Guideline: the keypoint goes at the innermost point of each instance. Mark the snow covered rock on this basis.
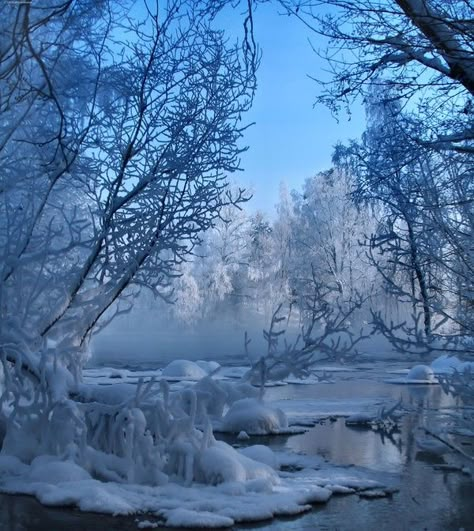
(254, 417)
(184, 369)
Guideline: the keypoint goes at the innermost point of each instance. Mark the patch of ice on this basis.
(108, 394)
(307, 411)
(431, 446)
(146, 524)
(196, 519)
(111, 375)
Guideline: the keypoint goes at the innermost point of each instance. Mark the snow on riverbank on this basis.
(63, 483)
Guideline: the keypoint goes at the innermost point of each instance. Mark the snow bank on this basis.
(254, 417)
(221, 505)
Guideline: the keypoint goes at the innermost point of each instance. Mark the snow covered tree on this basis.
(421, 206)
(143, 152)
(328, 228)
(417, 58)
(422, 49)
(119, 125)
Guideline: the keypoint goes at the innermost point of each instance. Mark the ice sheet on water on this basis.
(196, 519)
(306, 411)
(177, 370)
(110, 375)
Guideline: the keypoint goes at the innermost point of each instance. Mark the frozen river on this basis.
(433, 493)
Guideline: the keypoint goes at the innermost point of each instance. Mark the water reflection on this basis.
(345, 446)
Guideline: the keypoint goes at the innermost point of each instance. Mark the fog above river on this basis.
(151, 336)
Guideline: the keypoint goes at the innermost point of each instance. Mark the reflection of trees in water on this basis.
(425, 405)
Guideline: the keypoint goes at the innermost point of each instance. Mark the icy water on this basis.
(429, 498)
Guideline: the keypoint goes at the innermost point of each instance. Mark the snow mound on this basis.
(196, 519)
(184, 369)
(220, 463)
(254, 417)
(262, 454)
(49, 469)
(208, 366)
(421, 373)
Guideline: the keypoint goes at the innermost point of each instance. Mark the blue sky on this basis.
(292, 139)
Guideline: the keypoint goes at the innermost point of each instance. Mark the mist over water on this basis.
(148, 337)
(152, 336)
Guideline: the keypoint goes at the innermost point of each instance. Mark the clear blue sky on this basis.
(292, 139)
